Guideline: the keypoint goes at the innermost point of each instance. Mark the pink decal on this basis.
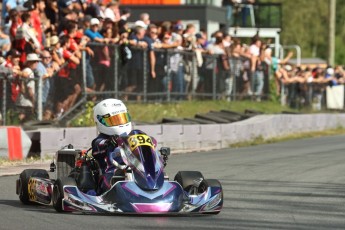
(68, 208)
(145, 208)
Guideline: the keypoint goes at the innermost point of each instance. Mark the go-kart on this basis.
(143, 187)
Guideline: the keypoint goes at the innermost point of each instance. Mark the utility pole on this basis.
(331, 32)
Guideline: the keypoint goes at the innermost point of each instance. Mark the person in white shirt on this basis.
(26, 99)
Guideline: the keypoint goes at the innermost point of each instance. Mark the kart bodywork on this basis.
(143, 188)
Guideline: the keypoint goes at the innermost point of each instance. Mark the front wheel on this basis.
(187, 179)
(58, 193)
(204, 185)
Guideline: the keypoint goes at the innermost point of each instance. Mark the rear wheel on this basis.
(187, 178)
(24, 178)
(58, 193)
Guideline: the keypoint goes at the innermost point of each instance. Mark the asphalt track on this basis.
(290, 185)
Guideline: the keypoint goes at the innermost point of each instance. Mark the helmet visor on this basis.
(115, 120)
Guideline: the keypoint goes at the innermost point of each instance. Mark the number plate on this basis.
(139, 140)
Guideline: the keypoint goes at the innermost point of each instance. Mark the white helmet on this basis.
(112, 118)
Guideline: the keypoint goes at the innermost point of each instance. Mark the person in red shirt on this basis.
(67, 89)
(39, 6)
(16, 22)
(12, 61)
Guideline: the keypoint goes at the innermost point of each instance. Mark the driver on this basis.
(112, 119)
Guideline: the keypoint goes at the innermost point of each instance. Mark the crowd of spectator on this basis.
(45, 39)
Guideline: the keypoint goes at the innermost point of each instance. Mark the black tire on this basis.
(211, 117)
(210, 183)
(186, 178)
(24, 178)
(58, 193)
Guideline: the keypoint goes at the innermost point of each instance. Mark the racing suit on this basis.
(104, 151)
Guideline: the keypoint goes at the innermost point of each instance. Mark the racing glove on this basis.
(113, 140)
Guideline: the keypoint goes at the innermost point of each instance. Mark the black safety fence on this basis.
(126, 73)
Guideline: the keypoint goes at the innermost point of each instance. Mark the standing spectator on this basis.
(26, 40)
(72, 32)
(229, 4)
(135, 74)
(12, 62)
(199, 52)
(215, 61)
(38, 8)
(166, 81)
(81, 42)
(189, 37)
(176, 68)
(93, 9)
(16, 22)
(27, 98)
(154, 84)
(45, 70)
(246, 72)
(245, 10)
(102, 53)
(125, 14)
(112, 11)
(257, 78)
(66, 88)
(68, 17)
(125, 56)
(52, 12)
(235, 70)
(48, 29)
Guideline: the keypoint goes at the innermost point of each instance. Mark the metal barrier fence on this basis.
(179, 76)
(120, 72)
(311, 95)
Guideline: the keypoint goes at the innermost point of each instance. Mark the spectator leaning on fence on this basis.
(26, 99)
(45, 70)
(280, 74)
